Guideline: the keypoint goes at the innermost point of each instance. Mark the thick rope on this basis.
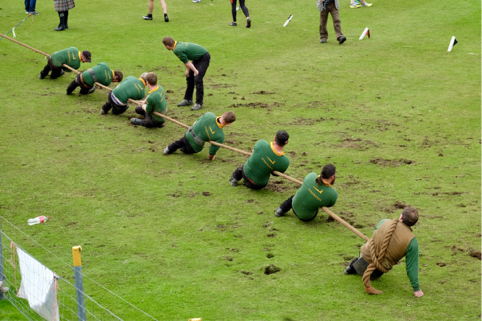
(375, 265)
(334, 216)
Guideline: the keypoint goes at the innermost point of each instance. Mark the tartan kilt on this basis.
(63, 5)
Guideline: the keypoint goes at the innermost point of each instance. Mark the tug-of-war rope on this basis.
(333, 215)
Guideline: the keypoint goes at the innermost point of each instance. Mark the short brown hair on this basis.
(151, 78)
(409, 216)
(282, 137)
(119, 75)
(229, 117)
(168, 41)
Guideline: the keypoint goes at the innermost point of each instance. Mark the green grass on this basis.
(397, 114)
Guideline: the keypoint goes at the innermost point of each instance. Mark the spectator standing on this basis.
(331, 7)
(151, 9)
(245, 11)
(63, 7)
(30, 7)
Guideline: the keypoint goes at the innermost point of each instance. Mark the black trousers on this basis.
(201, 65)
(110, 104)
(288, 205)
(56, 71)
(243, 7)
(149, 121)
(84, 88)
(239, 173)
(182, 144)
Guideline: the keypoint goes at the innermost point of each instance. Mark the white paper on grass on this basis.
(38, 286)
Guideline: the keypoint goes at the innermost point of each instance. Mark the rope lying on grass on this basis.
(333, 215)
(13, 29)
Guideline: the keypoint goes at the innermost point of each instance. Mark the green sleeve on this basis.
(378, 225)
(412, 264)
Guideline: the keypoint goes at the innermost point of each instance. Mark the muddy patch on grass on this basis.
(475, 254)
(307, 121)
(391, 163)
(400, 205)
(356, 143)
(263, 92)
(270, 269)
(277, 186)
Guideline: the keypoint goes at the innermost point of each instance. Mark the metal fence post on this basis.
(79, 282)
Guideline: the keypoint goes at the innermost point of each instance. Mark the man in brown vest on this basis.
(391, 241)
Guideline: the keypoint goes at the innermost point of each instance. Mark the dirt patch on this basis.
(246, 272)
(206, 194)
(357, 143)
(475, 254)
(228, 258)
(277, 186)
(262, 92)
(399, 204)
(269, 255)
(270, 269)
(441, 264)
(271, 235)
(391, 163)
(306, 121)
(255, 105)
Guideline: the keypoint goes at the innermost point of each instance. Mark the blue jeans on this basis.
(30, 5)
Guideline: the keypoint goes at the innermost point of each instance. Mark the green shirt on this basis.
(131, 87)
(207, 127)
(311, 196)
(264, 160)
(411, 261)
(186, 51)
(156, 101)
(103, 73)
(69, 56)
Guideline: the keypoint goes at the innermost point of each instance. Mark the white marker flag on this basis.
(288, 21)
(453, 42)
(365, 32)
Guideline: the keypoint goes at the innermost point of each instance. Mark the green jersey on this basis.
(186, 51)
(156, 101)
(70, 57)
(311, 196)
(102, 72)
(131, 87)
(264, 160)
(207, 128)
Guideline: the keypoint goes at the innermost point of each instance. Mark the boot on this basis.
(66, 26)
(61, 26)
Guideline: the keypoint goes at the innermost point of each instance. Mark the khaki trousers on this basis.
(335, 15)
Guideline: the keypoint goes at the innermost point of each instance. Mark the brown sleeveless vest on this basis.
(397, 248)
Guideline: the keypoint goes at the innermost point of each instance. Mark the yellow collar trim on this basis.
(274, 150)
(142, 81)
(321, 179)
(157, 87)
(218, 122)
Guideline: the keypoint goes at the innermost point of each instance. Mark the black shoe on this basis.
(248, 23)
(40, 76)
(279, 212)
(233, 24)
(136, 121)
(341, 39)
(148, 17)
(166, 18)
(323, 41)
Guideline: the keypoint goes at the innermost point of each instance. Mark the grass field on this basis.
(397, 114)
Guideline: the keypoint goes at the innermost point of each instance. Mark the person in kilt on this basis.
(63, 7)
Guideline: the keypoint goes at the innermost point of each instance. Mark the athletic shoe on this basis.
(196, 107)
(148, 17)
(91, 90)
(136, 121)
(355, 5)
(102, 112)
(35, 13)
(166, 151)
(196, 1)
(233, 181)
(279, 212)
(40, 76)
(248, 23)
(341, 39)
(233, 24)
(366, 4)
(185, 102)
(323, 41)
(166, 18)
